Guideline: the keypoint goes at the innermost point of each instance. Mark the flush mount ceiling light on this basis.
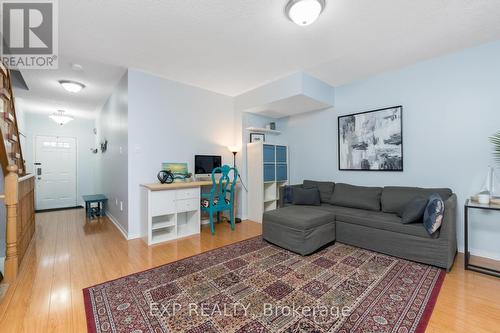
(60, 118)
(304, 12)
(72, 86)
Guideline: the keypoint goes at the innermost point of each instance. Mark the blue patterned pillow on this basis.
(434, 214)
(287, 194)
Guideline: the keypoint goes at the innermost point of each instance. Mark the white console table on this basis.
(171, 211)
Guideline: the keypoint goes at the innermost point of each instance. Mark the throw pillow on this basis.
(325, 188)
(413, 211)
(287, 194)
(306, 196)
(434, 213)
(360, 197)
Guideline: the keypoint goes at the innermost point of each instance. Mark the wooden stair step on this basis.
(5, 93)
(15, 155)
(12, 138)
(7, 116)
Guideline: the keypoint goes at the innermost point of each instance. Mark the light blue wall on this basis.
(451, 107)
(172, 122)
(112, 178)
(80, 129)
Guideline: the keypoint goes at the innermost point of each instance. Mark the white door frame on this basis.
(77, 200)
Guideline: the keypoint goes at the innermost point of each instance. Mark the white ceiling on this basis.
(232, 46)
(47, 96)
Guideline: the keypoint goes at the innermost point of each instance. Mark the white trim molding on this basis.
(125, 234)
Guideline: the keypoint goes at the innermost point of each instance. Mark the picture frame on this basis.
(257, 137)
(371, 140)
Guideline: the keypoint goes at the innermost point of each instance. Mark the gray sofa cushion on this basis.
(413, 211)
(306, 196)
(377, 220)
(361, 197)
(299, 217)
(395, 198)
(325, 188)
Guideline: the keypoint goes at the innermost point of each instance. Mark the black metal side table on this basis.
(473, 205)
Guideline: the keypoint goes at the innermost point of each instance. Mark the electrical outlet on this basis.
(121, 150)
(121, 206)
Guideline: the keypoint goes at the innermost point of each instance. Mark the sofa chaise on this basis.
(365, 217)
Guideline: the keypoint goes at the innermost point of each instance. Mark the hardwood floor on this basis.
(67, 254)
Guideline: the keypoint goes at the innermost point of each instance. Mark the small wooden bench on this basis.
(96, 211)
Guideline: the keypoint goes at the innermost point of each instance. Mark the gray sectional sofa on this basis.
(365, 217)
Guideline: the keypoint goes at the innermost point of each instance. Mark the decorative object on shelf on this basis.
(104, 146)
(491, 184)
(495, 201)
(257, 137)
(483, 199)
(179, 171)
(371, 141)
(272, 125)
(165, 177)
(60, 117)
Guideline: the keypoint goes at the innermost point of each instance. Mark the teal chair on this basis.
(221, 195)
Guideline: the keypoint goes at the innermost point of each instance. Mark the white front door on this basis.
(55, 171)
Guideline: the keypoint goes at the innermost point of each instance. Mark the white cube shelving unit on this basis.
(267, 166)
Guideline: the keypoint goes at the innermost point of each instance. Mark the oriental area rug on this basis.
(254, 286)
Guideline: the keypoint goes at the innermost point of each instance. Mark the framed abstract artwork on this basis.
(371, 141)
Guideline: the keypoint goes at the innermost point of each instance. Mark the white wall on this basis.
(172, 122)
(451, 107)
(112, 176)
(81, 129)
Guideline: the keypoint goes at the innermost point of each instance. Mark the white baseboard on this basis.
(117, 224)
(125, 234)
(485, 254)
(133, 236)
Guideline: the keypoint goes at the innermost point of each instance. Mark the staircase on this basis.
(10, 146)
(19, 187)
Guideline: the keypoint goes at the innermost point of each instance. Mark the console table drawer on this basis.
(187, 205)
(189, 193)
(162, 203)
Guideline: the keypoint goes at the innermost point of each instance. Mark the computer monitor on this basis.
(205, 164)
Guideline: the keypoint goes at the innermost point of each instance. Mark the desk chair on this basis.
(221, 195)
